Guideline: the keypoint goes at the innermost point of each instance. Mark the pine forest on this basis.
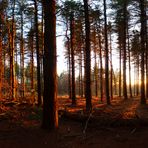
(74, 73)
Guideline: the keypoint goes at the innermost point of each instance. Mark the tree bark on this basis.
(72, 59)
(12, 64)
(111, 65)
(22, 57)
(1, 56)
(129, 61)
(106, 56)
(124, 49)
(120, 51)
(137, 76)
(143, 27)
(37, 54)
(95, 63)
(50, 102)
(87, 58)
(101, 64)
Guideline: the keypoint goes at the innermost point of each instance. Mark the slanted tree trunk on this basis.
(50, 108)
(87, 58)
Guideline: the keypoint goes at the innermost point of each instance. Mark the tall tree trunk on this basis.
(120, 51)
(31, 40)
(81, 76)
(115, 83)
(111, 65)
(50, 102)
(69, 70)
(101, 65)
(87, 59)
(143, 27)
(82, 61)
(146, 38)
(124, 49)
(106, 56)
(69, 61)
(37, 54)
(137, 77)
(1, 56)
(79, 80)
(32, 62)
(129, 63)
(22, 57)
(12, 62)
(146, 73)
(96, 75)
(42, 53)
(135, 83)
(95, 64)
(111, 75)
(72, 59)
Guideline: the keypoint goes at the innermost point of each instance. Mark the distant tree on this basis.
(135, 50)
(62, 84)
(129, 61)
(68, 12)
(21, 12)
(111, 65)
(121, 20)
(31, 50)
(37, 52)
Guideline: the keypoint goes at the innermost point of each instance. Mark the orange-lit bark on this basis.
(50, 110)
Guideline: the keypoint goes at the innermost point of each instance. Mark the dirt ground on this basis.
(103, 128)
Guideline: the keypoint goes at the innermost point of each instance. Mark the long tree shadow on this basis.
(121, 112)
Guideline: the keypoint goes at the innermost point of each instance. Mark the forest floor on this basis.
(124, 124)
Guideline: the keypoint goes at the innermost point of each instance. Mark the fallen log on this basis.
(97, 121)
